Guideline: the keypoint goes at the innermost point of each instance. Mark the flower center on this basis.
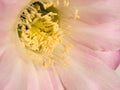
(39, 31)
(38, 27)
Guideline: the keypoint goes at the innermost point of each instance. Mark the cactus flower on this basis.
(59, 44)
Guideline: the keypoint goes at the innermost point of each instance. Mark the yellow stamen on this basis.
(66, 3)
(67, 48)
(57, 3)
(76, 14)
(47, 4)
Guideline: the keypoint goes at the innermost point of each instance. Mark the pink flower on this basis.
(91, 44)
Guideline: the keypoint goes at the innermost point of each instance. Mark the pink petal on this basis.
(15, 74)
(9, 2)
(84, 2)
(9, 13)
(112, 59)
(32, 78)
(42, 79)
(98, 26)
(57, 84)
(97, 11)
(47, 81)
(1, 5)
(103, 37)
(8, 73)
(87, 73)
(16, 79)
(13, 71)
(4, 39)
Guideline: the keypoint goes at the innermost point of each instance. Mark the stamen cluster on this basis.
(38, 28)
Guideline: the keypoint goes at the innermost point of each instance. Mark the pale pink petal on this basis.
(16, 74)
(84, 3)
(32, 78)
(16, 79)
(10, 70)
(55, 80)
(97, 11)
(87, 73)
(1, 5)
(7, 2)
(42, 79)
(98, 25)
(4, 39)
(105, 37)
(112, 59)
(47, 81)
(9, 13)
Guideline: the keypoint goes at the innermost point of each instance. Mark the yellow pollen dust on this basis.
(39, 31)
